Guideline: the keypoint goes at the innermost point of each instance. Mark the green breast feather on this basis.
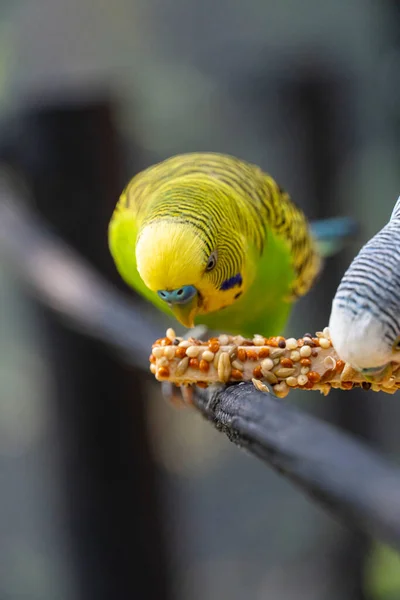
(263, 308)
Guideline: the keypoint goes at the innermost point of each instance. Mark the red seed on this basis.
(166, 342)
(202, 384)
(309, 385)
(152, 358)
(252, 355)
(257, 373)
(194, 363)
(236, 374)
(213, 346)
(286, 362)
(347, 385)
(242, 355)
(163, 372)
(180, 352)
(313, 376)
(305, 362)
(204, 365)
(340, 366)
(263, 353)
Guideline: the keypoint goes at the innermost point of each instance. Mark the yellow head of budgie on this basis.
(192, 263)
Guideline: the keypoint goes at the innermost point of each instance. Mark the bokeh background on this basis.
(106, 491)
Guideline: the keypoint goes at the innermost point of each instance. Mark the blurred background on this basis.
(106, 491)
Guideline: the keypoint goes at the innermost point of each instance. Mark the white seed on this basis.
(276, 361)
(291, 343)
(304, 370)
(153, 369)
(295, 356)
(158, 352)
(302, 379)
(207, 355)
(266, 365)
(258, 340)
(319, 334)
(216, 359)
(171, 335)
(182, 366)
(237, 364)
(184, 344)
(169, 352)
(329, 363)
(238, 340)
(193, 351)
(284, 372)
(281, 389)
(307, 340)
(223, 339)
(327, 333)
(162, 362)
(324, 343)
(224, 367)
(305, 351)
(291, 381)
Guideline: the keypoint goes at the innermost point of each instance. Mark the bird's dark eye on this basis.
(396, 345)
(212, 261)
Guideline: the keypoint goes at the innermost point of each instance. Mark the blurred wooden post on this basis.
(322, 103)
(70, 155)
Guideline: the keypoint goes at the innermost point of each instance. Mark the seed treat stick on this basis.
(309, 363)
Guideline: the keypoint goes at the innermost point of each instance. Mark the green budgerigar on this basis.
(217, 241)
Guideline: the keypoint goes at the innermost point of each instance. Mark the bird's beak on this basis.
(185, 313)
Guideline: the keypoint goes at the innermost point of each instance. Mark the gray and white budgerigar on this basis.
(365, 318)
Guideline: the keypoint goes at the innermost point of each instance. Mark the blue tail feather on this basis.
(332, 234)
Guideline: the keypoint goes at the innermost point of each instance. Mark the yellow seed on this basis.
(281, 389)
(236, 364)
(291, 343)
(153, 369)
(261, 387)
(304, 370)
(324, 343)
(184, 344)
(162, 362)
(266, 365)
(170, 334)
(291, 381)
(182, 366)
(208, 355)
(193, 351)
(329, 363)
(285, 372)
(295, 356)
(305, 351)
(158, 352)
(169, 352)
(224, 367)
(302, 380)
